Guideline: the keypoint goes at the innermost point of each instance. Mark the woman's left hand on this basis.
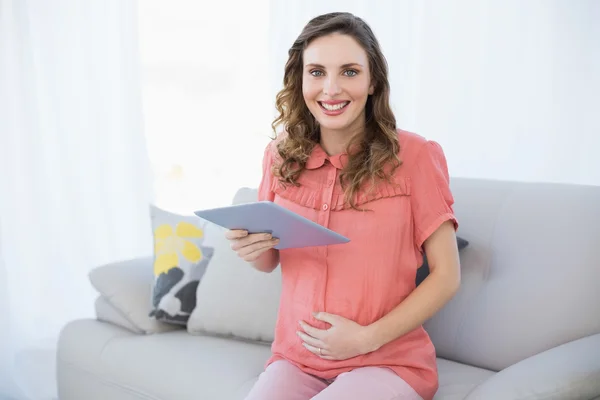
(344, 339)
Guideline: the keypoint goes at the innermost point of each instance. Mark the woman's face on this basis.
(336, 82)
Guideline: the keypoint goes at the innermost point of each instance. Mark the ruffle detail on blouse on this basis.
(315, 198)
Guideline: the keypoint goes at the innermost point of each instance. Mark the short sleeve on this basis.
(265, 188)
(431, 198)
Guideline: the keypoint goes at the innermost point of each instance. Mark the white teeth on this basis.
(335, 107)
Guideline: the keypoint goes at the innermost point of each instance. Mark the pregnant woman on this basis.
(350, 318)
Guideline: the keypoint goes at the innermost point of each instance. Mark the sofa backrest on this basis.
(530, 275)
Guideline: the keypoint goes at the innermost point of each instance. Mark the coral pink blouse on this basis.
(364, 279)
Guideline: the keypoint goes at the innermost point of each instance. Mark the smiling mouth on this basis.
(333, 107)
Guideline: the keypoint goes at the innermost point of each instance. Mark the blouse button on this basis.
(325, 207)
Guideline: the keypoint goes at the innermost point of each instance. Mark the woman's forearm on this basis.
(267, 261)
(424, 302)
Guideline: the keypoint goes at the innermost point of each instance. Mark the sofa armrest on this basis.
(568, 371)
(105, 312)
(127, 287)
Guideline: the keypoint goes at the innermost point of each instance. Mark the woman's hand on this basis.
(344, 339)
(250, 246)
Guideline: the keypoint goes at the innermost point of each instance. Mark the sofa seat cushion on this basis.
(458, 380)
(177, 365)
(173, 365)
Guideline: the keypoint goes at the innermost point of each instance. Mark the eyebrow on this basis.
(343, 66)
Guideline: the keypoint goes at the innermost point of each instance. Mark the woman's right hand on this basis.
(250, 246)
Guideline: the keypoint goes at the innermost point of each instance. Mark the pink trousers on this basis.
(284, 381)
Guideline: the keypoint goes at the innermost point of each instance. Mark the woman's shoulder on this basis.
(271, 152)
(276, 140)
(415, 148)
(410, 143)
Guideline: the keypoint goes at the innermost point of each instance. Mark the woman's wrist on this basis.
(373, 340)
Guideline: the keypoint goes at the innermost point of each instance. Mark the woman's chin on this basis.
(328, 124)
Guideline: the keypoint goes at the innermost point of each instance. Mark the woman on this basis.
(350, 318)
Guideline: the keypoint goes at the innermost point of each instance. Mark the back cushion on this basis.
(530, 275)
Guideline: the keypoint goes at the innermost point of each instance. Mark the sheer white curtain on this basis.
(74, 175)
(511, 89)
(206, 95)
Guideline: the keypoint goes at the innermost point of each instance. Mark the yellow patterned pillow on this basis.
(180, 261)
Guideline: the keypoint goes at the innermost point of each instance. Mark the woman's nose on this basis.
(331, 87)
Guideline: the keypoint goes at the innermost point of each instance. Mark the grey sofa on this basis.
(524, 325)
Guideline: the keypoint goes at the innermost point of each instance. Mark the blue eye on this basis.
(351, 72)
(316, 72)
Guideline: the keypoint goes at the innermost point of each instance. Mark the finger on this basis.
(331, 319)
(250, 239)
(255, 254)
(311, 340)
(236, 234)
(312, 331)
(315, 350)
(324, 354)
(254, 250)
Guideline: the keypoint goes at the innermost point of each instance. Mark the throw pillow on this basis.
(180, 260)
(423, 270)
(127, 285)
(234, 299)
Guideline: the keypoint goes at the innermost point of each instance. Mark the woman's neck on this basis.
(336, 142)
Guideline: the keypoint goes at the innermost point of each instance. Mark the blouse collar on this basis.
(318, 157)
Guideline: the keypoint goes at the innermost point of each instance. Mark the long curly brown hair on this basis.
(374, 151)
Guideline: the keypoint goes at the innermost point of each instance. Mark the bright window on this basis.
(207, 98)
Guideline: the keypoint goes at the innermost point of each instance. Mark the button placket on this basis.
(324, 214)
(327, 197)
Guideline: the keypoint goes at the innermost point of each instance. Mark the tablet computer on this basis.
(293, 230)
